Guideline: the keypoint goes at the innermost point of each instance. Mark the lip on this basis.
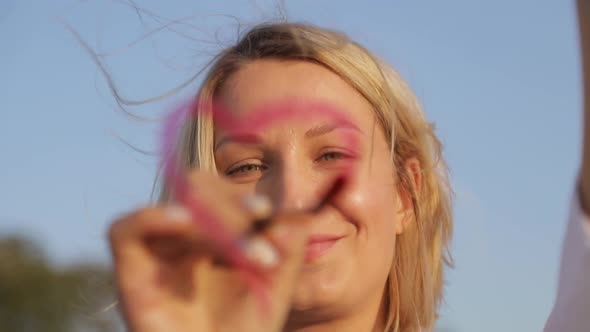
(319, 245)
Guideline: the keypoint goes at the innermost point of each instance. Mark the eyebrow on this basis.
(326, 128)
(246, 138)
(316, 131)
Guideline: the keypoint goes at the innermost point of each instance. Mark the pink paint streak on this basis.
(175, 176)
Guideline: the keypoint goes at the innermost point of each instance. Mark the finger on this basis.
(289, 236)
(258, 207)
(131, 230)
(135, 263)
(130, 236)
(238, 211)
(331, 193)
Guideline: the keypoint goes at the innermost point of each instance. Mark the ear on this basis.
(413, 172)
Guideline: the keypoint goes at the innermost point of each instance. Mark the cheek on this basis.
(373, 199)
(371, 202)
(371, 206)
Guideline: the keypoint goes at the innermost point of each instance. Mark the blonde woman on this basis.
(371, 259)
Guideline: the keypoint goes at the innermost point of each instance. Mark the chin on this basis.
(318, 300)
(322, 288)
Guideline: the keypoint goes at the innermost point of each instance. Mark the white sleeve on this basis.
(571, 312)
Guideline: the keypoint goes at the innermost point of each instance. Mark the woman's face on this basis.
(351, 247)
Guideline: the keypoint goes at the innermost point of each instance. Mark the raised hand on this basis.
(172, 278)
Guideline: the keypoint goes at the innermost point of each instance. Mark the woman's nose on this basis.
(296, 190)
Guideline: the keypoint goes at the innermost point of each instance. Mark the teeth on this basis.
(262, 252)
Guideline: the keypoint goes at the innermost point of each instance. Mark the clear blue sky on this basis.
(499, 78)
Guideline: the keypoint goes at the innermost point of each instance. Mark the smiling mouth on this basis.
(319, 245)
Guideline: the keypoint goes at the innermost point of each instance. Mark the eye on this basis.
(245, 169)
(332, 155)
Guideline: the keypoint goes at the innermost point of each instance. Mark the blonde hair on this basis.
(415, 283)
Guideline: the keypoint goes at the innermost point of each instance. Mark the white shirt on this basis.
(571, 312)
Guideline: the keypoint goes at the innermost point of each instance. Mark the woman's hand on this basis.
(170, 277)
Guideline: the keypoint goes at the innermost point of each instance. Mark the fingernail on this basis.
(259, 205)
(262, 252)
(178, 213)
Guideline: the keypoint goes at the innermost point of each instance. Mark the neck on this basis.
(369, 317)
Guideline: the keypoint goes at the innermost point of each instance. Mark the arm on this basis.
(584, 20)
(572, 305)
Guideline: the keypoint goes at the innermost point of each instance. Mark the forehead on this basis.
(265, 82)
